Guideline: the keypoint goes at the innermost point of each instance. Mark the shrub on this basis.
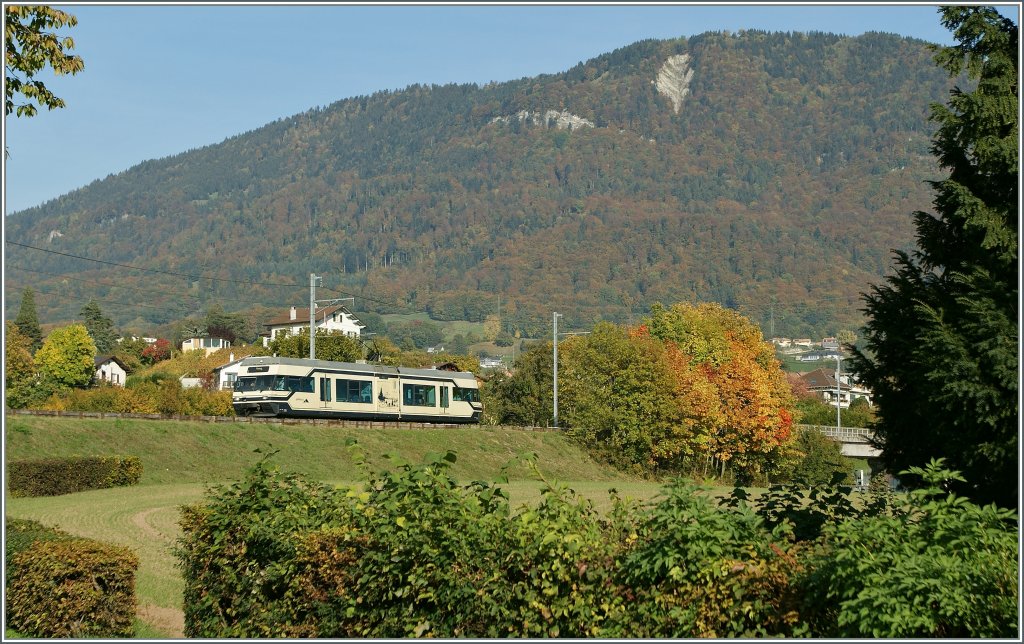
(54, 476)
(821, 458)
(72, 588)
(237, 555)
(22, 533)
(699, 571)
(944, 568)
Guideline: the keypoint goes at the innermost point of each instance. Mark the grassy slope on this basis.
(187, 452)
(181, 458)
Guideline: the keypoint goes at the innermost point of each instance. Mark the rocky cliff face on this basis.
(551, 118)
(674, 79)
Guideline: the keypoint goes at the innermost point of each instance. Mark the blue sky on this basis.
(160, 80)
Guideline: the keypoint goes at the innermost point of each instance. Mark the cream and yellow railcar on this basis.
(295, 387)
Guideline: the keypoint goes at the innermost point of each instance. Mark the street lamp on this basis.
(555, 334)
(839, 389)
(554, 324)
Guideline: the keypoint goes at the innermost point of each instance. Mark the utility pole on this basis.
(839, 388)
(312, 315)
(555, 334)
(554, 320)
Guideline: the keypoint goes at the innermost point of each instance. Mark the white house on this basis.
(226, 374)
(823, 383)
(110, 369)
(208, 345)
(328, 318)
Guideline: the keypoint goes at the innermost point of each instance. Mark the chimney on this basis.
(292, 314)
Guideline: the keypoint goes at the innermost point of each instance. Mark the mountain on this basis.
(772, 172)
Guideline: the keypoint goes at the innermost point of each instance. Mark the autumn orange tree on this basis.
(751, 426)
(693, 386)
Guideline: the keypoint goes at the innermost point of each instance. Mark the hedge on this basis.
(62, 586)
(414, 553)
(55, 476)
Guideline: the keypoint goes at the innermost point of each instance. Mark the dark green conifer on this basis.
(942, 337)
(100, 328)
(28, 321)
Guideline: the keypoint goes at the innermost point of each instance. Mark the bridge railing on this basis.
(844, 434)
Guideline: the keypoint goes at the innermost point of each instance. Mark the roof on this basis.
(821, 379)
(102, 360)
(285, 319)
(380, 370)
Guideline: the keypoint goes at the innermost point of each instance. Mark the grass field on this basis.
(181, 459)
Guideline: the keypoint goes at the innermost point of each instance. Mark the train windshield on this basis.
(466, 395)
(274, 383)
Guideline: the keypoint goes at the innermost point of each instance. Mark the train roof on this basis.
(353, 366)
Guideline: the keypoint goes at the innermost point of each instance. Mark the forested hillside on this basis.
(771, 172)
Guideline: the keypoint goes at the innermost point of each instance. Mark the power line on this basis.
(198, 277)
(117, 302)
(153, 270)
(198, 299)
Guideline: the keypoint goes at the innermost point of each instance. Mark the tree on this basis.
(618, 395)
(29, 49)
(19, 368)
(524, 397)
(156, 352)
(100, 327)
(739, 397)
(27, 321)
(330, 345)
(230, 326)
(940, 347)
(67, 357)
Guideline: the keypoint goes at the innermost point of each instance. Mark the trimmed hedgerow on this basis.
(71, 587)
(22, 533)
(55, 476)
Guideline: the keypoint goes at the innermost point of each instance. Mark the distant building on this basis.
(208, 345)
(190, 383)
(491, 363)
(803, 342)
(111, 370)
(830, 343)
(226, 374)
(135, 337)
(328, 318)
(823, 383)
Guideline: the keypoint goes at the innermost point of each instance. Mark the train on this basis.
(304, 388)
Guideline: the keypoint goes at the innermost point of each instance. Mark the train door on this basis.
(387, 397)
(444, 399)
(325, 392)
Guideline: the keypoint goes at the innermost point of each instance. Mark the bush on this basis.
(55, 476)
(22, 533)
(820, 461)
(237, 555)
(72, 588)
(413, 553)
(944, 568)
(699, 571)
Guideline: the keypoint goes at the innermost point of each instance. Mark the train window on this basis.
(419, 395)
(444, 397)
(354, 391)
(466, 395)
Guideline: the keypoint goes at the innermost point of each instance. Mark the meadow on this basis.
(182, 459)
